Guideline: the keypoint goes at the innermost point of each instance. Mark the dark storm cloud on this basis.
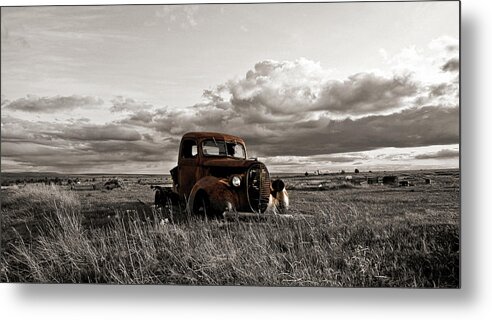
(35, 104)
(34, 143)
(19, 130)
(14, 129)
(76, 146)
(99, 133)
(92, 155)
(451, 65)
(148, 137)
(27, 149)
(409, 128)
(441, 154)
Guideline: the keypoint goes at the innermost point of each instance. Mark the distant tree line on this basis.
(44, 180)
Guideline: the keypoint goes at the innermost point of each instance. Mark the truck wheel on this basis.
(201, 205)
(159, 199)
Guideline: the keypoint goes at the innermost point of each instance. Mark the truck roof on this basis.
(210, 135)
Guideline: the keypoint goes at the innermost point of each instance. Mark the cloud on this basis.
(447, 50)
(19, 130)
(408, 128)
(440, 89)
(426, 64)
(34, 104)
(79, 146)
(140, 118)
(445, 45)
(444, 153)
(434, 69)
(290, 87)
(292, 113)
(451, 65)
(90, 157)
(98, 133)
(274, 93)
(295, 108)
(121, 104)
(366, 93)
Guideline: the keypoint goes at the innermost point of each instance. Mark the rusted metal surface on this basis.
(211, 135)
(204, 181)
(226, 162)
(258, 188)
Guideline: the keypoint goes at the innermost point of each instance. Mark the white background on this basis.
(473, 300)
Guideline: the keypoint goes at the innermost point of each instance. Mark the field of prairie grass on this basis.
(358, 236)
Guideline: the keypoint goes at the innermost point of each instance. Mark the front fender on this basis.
(220, 195)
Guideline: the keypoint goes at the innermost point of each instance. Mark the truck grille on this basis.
(258, 183)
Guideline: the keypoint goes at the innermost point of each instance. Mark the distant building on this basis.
(359, 180)
(388, 180)
(404, 183)
(373, 180)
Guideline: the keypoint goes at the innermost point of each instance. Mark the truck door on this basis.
(188, 166)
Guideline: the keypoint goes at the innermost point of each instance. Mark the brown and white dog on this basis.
(279, 199)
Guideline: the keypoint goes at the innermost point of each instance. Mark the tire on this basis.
(201, 205)
(158, 202)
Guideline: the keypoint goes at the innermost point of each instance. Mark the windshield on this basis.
(222, 148)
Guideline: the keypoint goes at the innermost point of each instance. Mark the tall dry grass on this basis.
(341, 246)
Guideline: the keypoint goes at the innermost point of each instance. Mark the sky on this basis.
(327, 86)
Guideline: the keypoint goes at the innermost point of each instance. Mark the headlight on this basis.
(236, 181)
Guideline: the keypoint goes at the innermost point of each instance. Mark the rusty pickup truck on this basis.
(214, 177)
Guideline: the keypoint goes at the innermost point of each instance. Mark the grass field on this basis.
(359, 236)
